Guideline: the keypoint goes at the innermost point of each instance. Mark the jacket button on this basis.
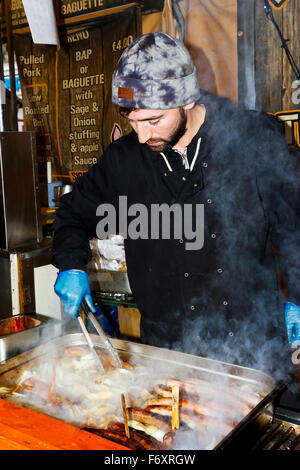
(213, 235)
(192, 307)
(186, 274)
(230, 333)
(180, 241)
(204, 164)
(165, 174)
(209, 201)
(225, 302)
(183, 178)
(195, 185)
(220, 270)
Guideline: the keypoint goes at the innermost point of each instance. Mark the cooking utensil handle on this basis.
(102, 335)
(105, 339)
(90, 343)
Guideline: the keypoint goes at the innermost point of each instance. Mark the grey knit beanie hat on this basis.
(155, 72)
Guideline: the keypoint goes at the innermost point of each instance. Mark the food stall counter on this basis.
(25, 429)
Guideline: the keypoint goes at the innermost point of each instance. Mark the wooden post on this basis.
(13, 100)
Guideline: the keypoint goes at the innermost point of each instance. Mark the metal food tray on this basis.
(19, 333)
(177, 363)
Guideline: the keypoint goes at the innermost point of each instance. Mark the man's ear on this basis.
(189, 106)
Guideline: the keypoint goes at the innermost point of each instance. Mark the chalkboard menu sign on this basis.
(67, 92)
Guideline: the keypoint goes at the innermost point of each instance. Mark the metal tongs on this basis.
(107, 344)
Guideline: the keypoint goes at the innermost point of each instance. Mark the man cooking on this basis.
(191, 149)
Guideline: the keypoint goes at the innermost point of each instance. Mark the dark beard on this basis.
(177, 134)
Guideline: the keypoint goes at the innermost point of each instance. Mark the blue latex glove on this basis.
(72, 287)
(292, 320)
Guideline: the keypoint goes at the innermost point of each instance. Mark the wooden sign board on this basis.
(18, 16)
(290, 123)
(67, 92)
(64, 9)
(70, 12)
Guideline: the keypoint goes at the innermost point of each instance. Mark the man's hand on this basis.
(292, 320)
(72, 287)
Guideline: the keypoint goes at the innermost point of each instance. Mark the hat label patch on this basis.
(125, 93)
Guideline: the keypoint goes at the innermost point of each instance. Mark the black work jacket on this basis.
(223, 300)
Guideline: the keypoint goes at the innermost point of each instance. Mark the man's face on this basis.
(159, 129)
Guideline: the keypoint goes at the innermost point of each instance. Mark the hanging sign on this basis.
(42, 21)
(290, 122)
(277, 4)
(65, 10)
(70, 12)
(67, 92)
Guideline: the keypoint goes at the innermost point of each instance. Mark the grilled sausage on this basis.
(190, 419)
(146, 417)
(108, 361)
(185, 416)
(221, 392)
(217, 392)
(166, 401)
(116, 436)
(42, 391)
(160, 410)
(163, 391)
(169, 439)
(195, 405)
(146, 441)
(76, 351)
